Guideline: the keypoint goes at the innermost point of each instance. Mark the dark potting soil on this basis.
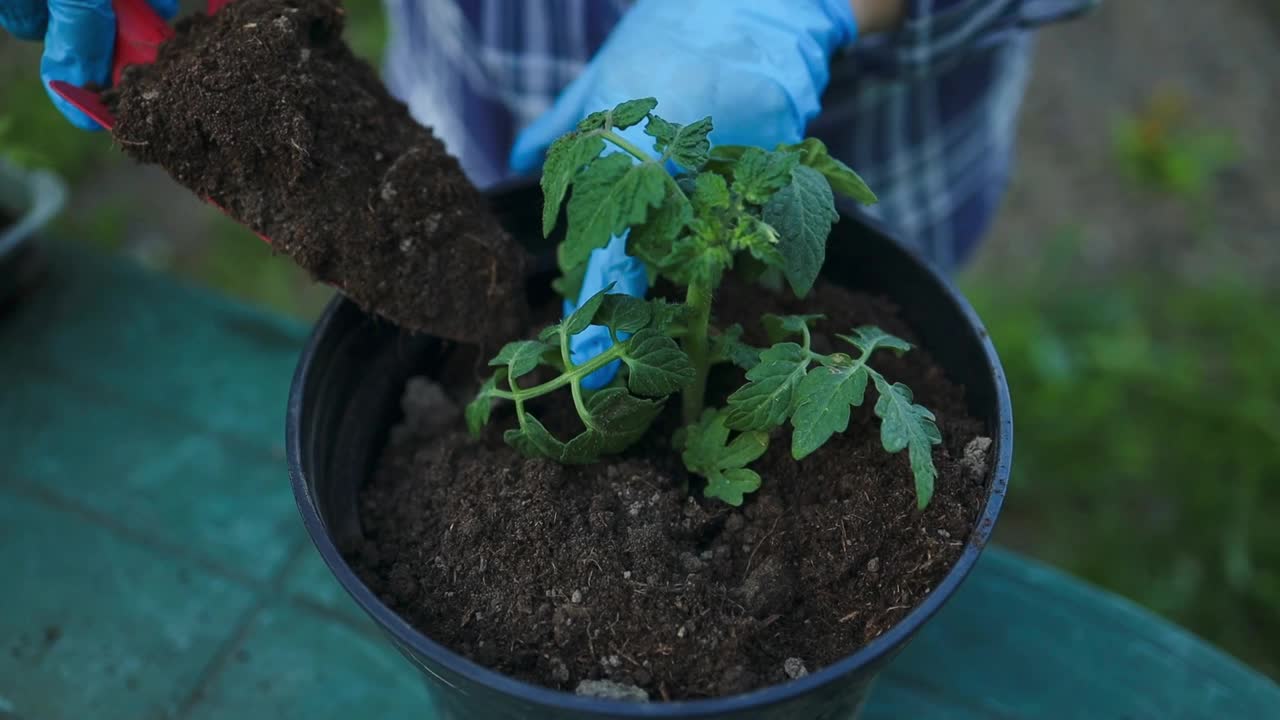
(264, 109)
(557, 575)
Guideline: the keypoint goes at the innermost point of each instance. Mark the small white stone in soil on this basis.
(610, 690)
(611, 661)
(576, 597)
(626, 574)
(974, 461)
(944, 534)
(873, 565)
(794, 668)
(681, 632)
(427, 409)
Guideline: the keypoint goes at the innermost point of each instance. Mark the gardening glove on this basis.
(79, 38)
(609, 264)
(757, 68)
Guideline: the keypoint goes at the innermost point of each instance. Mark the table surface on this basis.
(157, 567)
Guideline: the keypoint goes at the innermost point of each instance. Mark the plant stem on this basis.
(575, 384)
(698, 299)
(580, 371)
(627, 145)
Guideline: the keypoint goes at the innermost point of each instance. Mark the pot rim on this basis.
(46, 196)
(405, 634)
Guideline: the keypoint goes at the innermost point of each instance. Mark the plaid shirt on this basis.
(925, 114)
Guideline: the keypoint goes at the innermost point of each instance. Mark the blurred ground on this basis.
(1130, 285)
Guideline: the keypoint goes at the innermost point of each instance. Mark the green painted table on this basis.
(155, 566)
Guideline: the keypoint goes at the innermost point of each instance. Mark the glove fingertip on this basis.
(165, 8)
(525, 156)
(531, 143)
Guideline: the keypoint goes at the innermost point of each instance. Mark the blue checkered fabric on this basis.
(926, 114)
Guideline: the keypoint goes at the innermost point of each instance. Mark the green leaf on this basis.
(769, 398)
(566, 156)
(728, 347)
(710, 191)
(724, 157)
(708, 453)
(623, 313)
(839, 176)
(777, 327)
(631, 112)
(617, 420)
(760, 173)
(905, 424)
(595, 121)
(610, 195)
(826, 394)
(622, 116)
(802, 213)
(758, 238)
(620, 418)
(533, 440)
(521, 356)
(550, 333)
(870, 338)
(651, 240)
(582, 318)
(687, 145)
(478, 410)
(658, 366)
(691, 260)
(667, 314)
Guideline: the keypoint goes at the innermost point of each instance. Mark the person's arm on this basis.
(923, 36)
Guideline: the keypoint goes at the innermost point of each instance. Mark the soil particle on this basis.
(613, 572)
(794, 668)
(263, 109)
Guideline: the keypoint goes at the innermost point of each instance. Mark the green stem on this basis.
(698, 299)
(575, 384)
(627, 145)
(577, 373)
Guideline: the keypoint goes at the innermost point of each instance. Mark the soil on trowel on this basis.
(263, 109)
(614, 579)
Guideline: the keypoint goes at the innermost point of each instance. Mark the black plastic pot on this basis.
(345, 398)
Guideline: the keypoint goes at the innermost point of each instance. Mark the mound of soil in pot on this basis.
(264, 109)
(558, 575)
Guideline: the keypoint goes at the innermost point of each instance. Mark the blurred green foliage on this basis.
(1158, 148)
(1147, 452)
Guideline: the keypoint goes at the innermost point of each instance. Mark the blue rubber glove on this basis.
(757, 68)
(609, 264)
(79, 37)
